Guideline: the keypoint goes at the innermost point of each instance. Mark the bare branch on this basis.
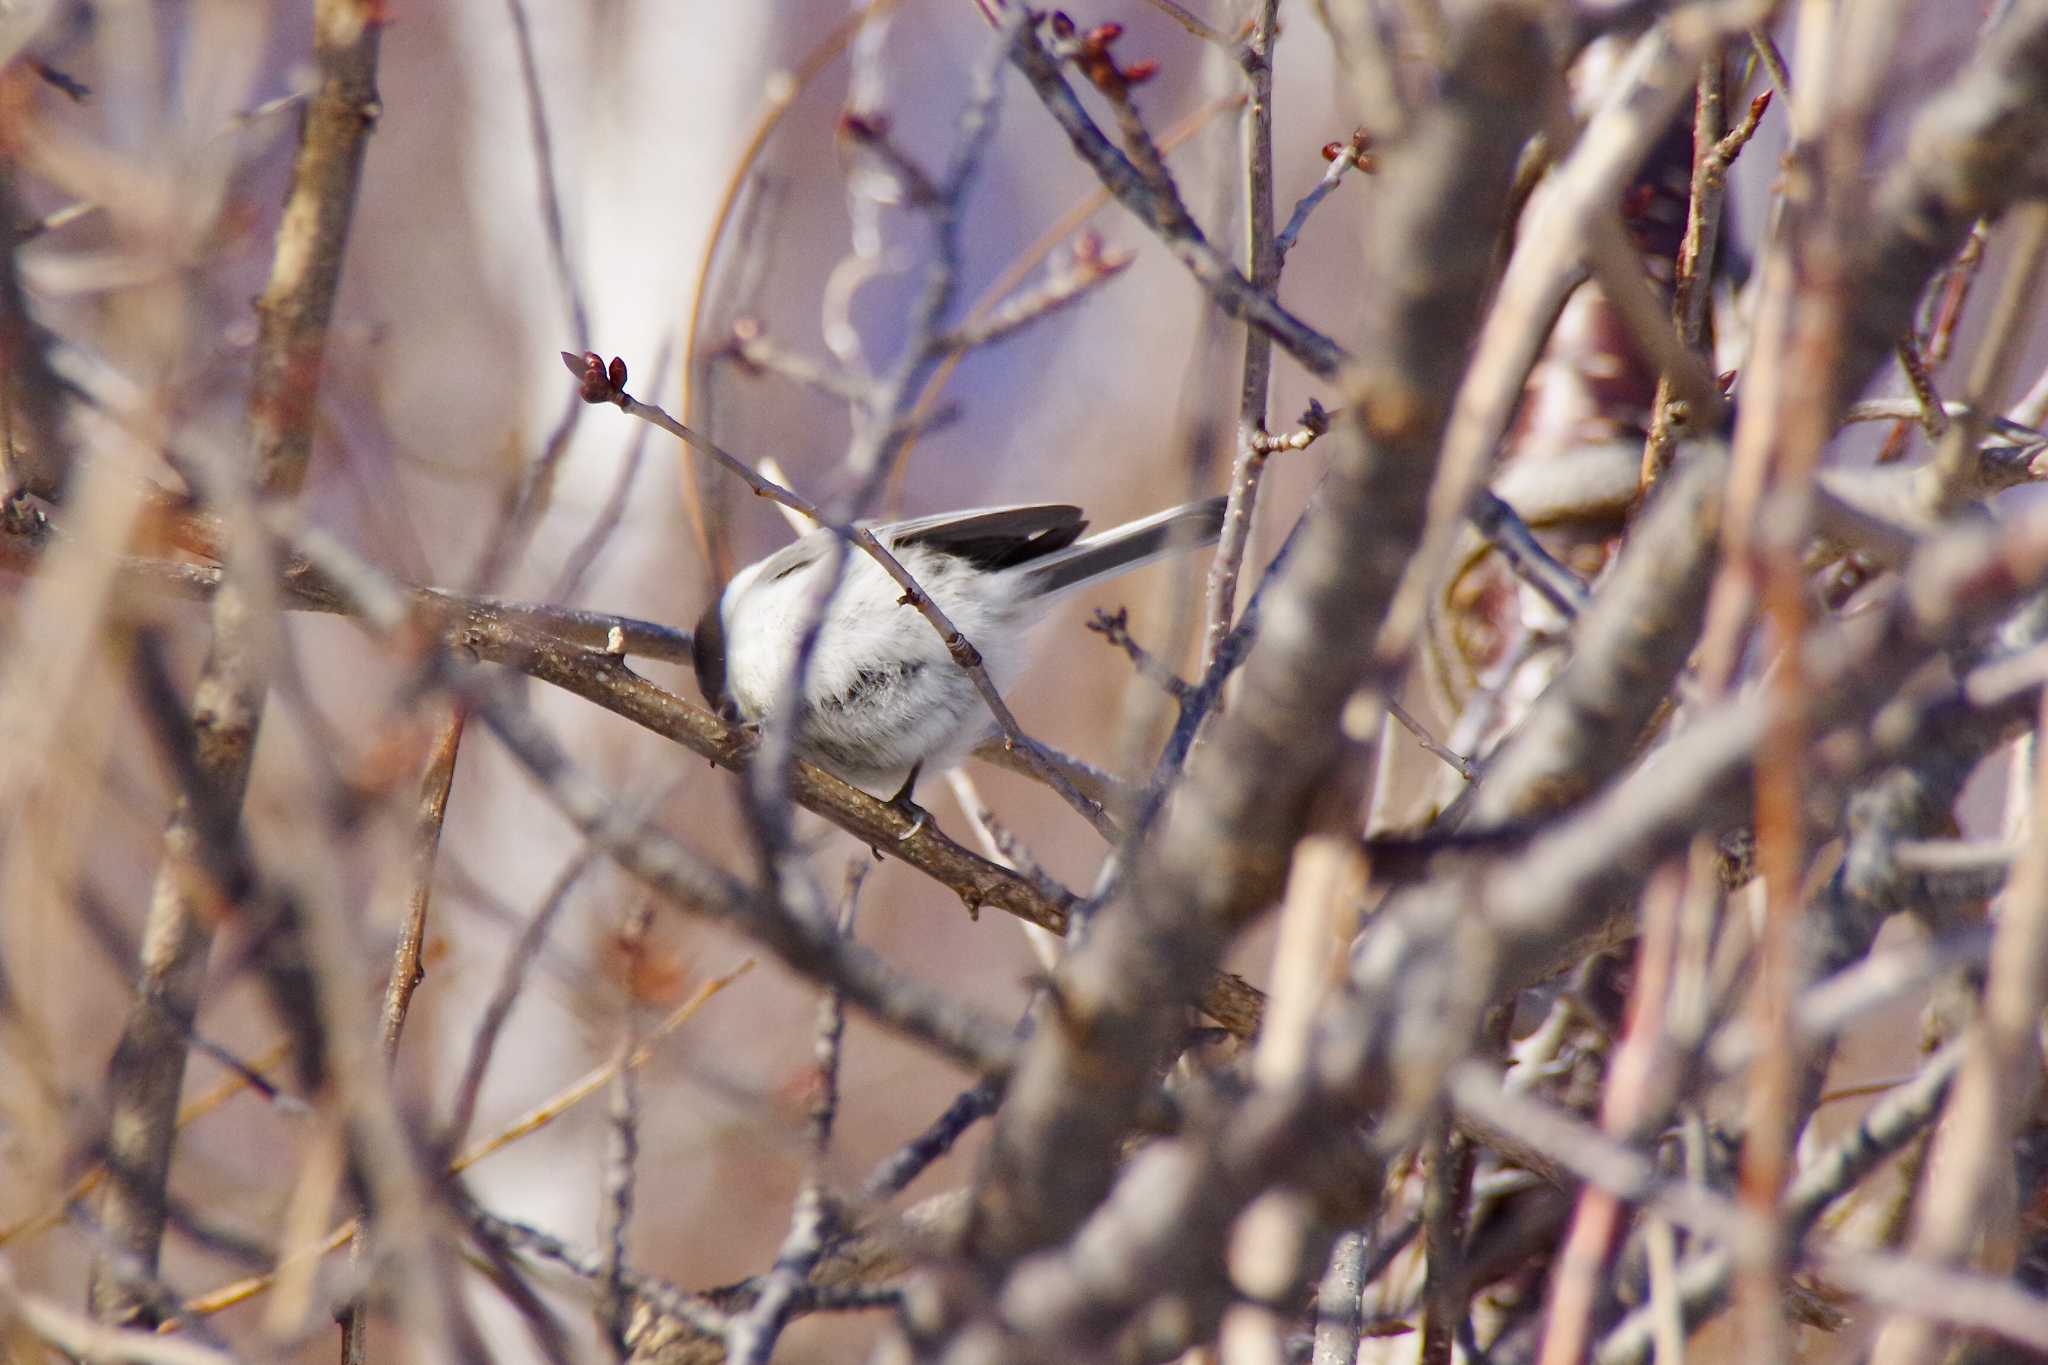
(1223, 848)
(1157, 205)
(293, 313)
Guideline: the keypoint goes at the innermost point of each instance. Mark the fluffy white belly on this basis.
(881, 693)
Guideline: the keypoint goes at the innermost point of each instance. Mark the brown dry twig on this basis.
(1713, 154)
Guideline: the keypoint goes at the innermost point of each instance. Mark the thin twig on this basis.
(1630, 1107)
(1343, 157)
(1955, 458)
(1115, 627)
(754, 349)
(622, 1157)
(522, 1237)
(1085, 268)
(544, 173)
(240, 1291)
(1772, 60)
(1919, 360)
(1933, 417)
(1262, 269)
(1499, 523)
(1160, 209)
(407, 970)
(1189, 20)
(1909, 410)
(750, 1337)
(1713, 154)
(1779, 437)
(1457, 762)
(893, 1174)
(999, 845)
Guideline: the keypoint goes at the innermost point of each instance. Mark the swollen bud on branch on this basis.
(597, 382)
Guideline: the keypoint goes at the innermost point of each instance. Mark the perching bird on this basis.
(882, 699)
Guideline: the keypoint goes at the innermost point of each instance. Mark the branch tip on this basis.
(598, 382)
(1355, 152)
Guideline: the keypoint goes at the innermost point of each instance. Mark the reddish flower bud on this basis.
(595, 382)
(863, 127)
(587, 368)
(1353, 150)
(1102, 35)
(1140, 71)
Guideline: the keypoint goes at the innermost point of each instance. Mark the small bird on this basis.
(882, 699)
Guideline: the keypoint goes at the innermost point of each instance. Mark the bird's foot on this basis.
(918, 816)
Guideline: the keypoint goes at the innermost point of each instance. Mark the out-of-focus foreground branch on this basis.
(293, 315)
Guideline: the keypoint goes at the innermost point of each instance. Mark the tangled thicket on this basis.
(1568, 883)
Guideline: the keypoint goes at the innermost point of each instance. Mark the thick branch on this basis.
(1224, 848)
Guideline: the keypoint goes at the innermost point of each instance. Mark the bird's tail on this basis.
(1187, 527)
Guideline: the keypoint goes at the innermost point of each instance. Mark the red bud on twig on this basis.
(597, 382)
(861, 127)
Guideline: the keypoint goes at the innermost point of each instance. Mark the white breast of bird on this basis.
(881, 693)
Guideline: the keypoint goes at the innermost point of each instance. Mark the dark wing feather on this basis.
(1187, 527)
(994, 538)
